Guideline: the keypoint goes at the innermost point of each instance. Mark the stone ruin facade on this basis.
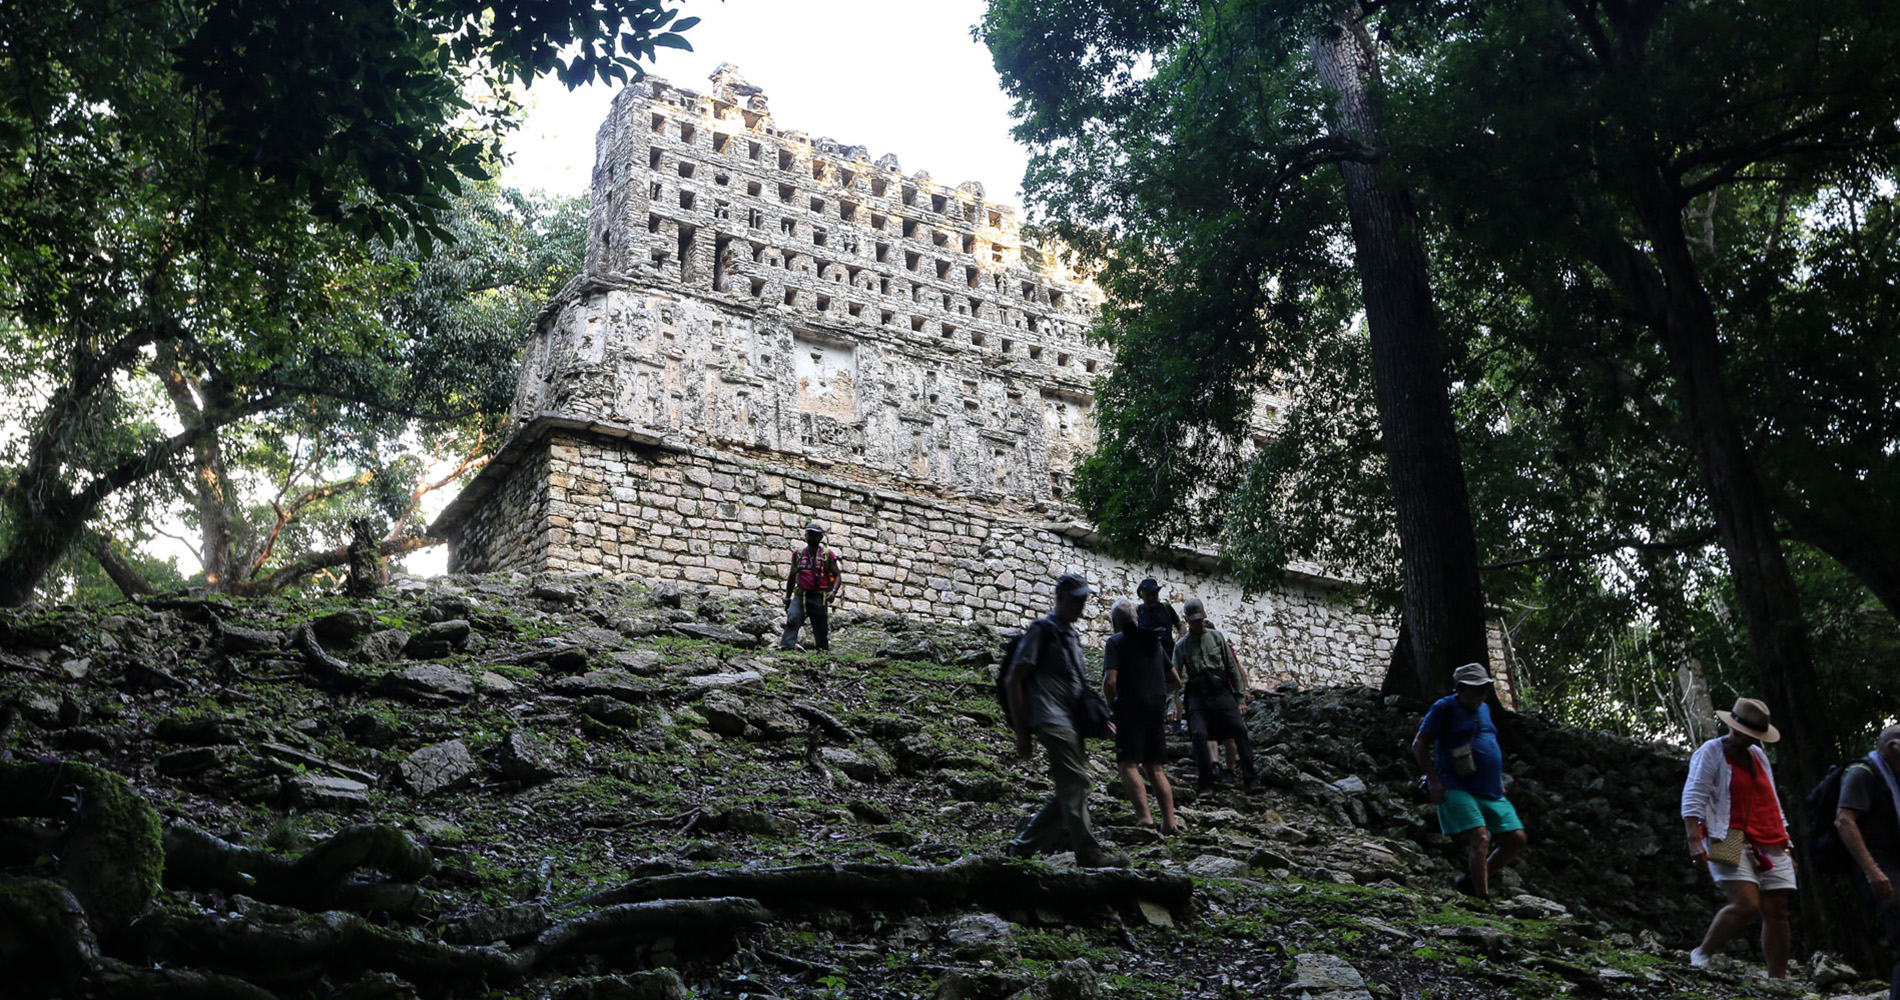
(773, 328)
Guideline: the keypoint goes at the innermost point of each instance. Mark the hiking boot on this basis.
(1463, 884)
(1016, 850)
(1252, 787)
(1101, 859)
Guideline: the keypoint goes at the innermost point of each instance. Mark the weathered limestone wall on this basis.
(729, 524)
(509, 530)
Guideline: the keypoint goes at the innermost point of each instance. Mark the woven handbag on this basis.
(1728, 850)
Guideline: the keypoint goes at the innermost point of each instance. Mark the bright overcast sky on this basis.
(896, 76)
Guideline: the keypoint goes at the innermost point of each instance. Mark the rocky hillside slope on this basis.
(588, 789)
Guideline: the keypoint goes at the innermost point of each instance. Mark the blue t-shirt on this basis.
(1450, 724)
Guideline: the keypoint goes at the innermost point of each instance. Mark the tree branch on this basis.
(472, 459)
(128, 580)
(314, 562)
(1696, 540)
(305, 499)
(161, 452)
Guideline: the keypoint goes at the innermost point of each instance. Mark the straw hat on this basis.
(1750, 717)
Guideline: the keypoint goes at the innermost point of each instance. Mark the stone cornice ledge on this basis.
(448, 523)
(1205, 557)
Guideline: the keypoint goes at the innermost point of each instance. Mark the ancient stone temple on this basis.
(774, 328)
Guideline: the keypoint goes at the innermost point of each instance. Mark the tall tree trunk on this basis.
(1764, 586)
(1444, 601)
(210, 478)
(41, 539)
(1698, 711)
(52, 515)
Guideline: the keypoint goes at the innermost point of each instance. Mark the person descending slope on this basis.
(1216, 695)
(811, 589)
(1136, 681)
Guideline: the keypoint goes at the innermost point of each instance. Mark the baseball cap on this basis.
(1073, 585)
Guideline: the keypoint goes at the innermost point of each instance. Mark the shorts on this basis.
(1779, 876)
(1141, 740)
(1462, 811)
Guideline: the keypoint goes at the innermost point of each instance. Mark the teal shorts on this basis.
(1463, 811)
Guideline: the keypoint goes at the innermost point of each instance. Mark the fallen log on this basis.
(318, 880)
(981, 881)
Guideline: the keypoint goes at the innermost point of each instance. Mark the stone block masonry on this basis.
(728, 524)
(773, 327)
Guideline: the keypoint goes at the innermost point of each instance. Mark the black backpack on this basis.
(1002, 675)
(1820, 805)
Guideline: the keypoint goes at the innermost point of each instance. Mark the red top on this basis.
(1753, 808)
(816, 570)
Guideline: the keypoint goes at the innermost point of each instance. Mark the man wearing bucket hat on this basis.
(1457, 748)
(1732, 819)
(1155, 614)
(810, 590)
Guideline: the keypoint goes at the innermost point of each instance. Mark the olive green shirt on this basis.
(1208, 652)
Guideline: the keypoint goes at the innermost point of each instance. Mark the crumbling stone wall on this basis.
(773, 327)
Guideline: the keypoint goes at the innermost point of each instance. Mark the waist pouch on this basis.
(1462, 762)
(1208, 686)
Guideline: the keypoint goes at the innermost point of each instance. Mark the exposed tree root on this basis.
(286, 948)
(116, 979)
(330, 673)
(46, 941)
(110, 855)
(48, 948)
(318, 880)
(982, 881)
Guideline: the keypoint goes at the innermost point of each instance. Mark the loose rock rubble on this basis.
(541, 830)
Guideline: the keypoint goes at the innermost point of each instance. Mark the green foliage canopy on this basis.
(185, 192)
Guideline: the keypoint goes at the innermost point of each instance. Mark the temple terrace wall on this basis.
(626, 506)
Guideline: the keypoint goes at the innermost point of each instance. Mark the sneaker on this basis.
(1101, 859)
(1252, 787)
(1700, 959)
(1016, 850)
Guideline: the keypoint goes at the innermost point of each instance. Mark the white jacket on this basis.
(1705, 794)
